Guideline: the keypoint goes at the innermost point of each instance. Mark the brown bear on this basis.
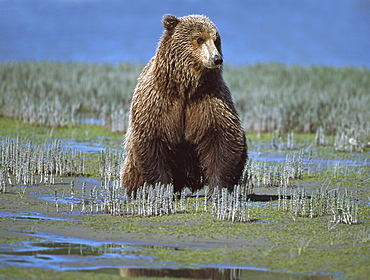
(183, 128)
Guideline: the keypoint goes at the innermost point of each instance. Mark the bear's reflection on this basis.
(218, 274)
(204, 273)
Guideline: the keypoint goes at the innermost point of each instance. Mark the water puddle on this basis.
(86, 147)
(64, 195)
(75, 254)
(92, 121)
(59, 253)
(30, 216)
(273, 156)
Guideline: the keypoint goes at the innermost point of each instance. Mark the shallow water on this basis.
(29, 215)
(85, 147)
(60, 253)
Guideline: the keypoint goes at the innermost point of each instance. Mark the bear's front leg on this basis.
(131, 177)
(147, 161)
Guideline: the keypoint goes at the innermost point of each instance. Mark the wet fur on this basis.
(184, 128)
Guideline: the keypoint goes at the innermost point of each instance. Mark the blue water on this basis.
(305, 32)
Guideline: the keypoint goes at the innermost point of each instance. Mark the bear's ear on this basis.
(170, 21)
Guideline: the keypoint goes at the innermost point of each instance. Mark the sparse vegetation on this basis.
(24, 163)
(21, 161)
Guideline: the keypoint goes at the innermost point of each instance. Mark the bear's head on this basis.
(194, 40)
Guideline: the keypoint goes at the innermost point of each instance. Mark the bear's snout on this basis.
(217, 60)
(211, 56)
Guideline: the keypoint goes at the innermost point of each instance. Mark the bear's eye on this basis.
(200, 40)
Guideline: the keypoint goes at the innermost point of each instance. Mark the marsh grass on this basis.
(340, 205)
(110, 163)
(302, 99)
(25, 163)
(264, 174)
(269, 98)
(110, 198)
(55, 94)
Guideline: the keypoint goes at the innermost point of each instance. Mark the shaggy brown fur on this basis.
(184, 128)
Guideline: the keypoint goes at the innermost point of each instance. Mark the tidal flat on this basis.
(302, 210)
(48, 235)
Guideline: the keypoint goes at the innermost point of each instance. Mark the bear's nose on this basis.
(217, 60)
